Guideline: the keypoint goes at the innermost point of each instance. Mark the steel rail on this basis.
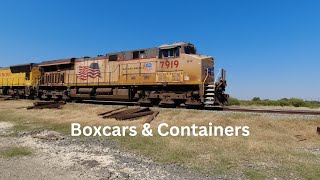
(275, 111)
(218, 108)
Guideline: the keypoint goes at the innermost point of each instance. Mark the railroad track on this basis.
(227, 109)
(274, 111)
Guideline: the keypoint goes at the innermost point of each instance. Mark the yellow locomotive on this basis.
(19, 80)
(170, 74)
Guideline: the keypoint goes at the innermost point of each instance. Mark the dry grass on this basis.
(271, 150)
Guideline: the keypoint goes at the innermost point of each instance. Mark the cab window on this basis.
(138, 54)
(189, 50)
(22, 69)
(169, 53)
(113, 57)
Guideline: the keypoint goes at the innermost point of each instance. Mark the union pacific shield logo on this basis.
(148, 66)
(91, 71)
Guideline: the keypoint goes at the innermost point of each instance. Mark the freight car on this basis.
(170, 74)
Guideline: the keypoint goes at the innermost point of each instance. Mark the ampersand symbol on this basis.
(147, 131)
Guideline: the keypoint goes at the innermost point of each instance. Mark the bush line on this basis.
(256, 101)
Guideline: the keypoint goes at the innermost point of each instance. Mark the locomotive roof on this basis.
(19, 65)
(145, 49)
(164, 46)
(150, 52)
(91, 58)
(57, 62)
(168, 46)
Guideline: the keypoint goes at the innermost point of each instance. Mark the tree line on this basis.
(256, 101)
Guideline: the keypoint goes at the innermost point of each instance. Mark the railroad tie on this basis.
(151, 117)
(113, 110)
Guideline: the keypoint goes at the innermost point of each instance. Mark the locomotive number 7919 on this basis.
(169, 64)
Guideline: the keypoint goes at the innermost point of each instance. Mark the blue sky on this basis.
(270, 49)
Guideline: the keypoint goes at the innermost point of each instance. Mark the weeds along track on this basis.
(218, 108)
(274, 111)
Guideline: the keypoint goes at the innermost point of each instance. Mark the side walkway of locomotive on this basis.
(167, 75)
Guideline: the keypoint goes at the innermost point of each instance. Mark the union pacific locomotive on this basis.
(171, 74)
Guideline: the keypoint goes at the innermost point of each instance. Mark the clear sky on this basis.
(270, 49)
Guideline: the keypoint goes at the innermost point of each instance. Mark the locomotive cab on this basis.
(195, 70)
(24, 75)
(174, 50)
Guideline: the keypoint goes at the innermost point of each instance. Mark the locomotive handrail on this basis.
(73, 75)
(207, 70)
(217, 76)
(205, 79)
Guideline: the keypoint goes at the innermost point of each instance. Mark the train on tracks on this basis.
(171, 74)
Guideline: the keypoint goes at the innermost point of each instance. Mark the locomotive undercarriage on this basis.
(19, 92)
(162, 95)
(170, 96)
(145, 95)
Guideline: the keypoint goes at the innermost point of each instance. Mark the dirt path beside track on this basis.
(71, 158)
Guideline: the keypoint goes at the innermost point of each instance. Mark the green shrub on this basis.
(284, 102)
(297, 102)
(312, 104)
(233, 102)
(256, 99)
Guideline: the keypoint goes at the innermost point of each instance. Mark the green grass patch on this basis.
(15, 151)
(24, 123)
(254, 174)
(285, 102)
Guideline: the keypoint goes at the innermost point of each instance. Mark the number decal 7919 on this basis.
(169, 64)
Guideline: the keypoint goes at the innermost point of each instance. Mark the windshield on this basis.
(169, 53)
(190, 50)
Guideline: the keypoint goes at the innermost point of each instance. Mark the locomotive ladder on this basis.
(209, 95)
(209, 90)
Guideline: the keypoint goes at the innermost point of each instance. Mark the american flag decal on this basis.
(92, 71)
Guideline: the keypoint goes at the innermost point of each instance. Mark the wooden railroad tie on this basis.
(130, 114)
(46, 105)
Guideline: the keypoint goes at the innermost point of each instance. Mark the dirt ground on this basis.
(279, 146)
(68, 158)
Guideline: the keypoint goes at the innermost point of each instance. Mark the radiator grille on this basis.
(162, 77)
(176, 77)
